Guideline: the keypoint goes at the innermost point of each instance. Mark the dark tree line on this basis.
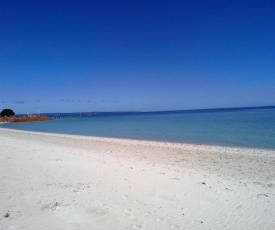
(7, 113)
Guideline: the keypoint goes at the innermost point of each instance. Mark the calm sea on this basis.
(250, 127)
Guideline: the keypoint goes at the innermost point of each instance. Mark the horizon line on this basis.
(177, 110)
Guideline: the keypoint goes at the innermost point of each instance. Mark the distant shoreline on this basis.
(24, 119)
(86, 113)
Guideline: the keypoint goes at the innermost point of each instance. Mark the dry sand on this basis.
(51, 181)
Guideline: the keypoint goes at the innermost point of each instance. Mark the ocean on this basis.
(241, 127)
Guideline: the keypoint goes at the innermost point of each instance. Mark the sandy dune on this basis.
(51, 181)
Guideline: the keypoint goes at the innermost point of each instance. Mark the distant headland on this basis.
(7, 115)
(25, 119)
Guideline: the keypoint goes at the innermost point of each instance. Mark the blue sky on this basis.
(68, 56)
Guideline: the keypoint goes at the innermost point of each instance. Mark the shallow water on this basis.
(229, 127)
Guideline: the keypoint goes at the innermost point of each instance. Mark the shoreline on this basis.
(233, 149)
(77, 182)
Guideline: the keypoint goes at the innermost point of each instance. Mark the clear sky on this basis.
(136, 55)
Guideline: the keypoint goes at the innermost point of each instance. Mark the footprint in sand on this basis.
(124, 197)
(174, 226)
(127, 212)
(175, 178)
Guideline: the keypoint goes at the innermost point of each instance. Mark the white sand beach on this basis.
(51, 181)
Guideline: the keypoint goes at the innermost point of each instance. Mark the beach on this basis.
(56, 181)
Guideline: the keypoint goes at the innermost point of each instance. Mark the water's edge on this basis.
(241, 128)
(221, 148)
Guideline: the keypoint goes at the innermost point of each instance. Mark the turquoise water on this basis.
(229, 127)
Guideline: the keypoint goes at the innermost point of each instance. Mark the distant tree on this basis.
(7, 113)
